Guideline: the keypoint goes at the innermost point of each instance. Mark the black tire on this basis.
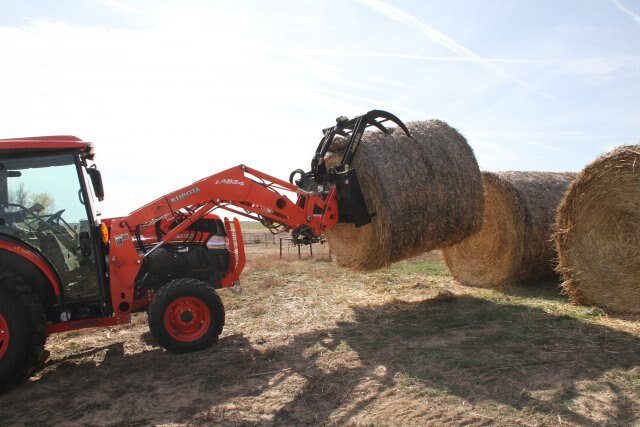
(23, 320)
(186, 315)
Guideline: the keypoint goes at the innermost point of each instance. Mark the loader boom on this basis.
(324, 197)
(241, 190)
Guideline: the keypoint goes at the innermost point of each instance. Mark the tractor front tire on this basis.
(23, 330)
(186, 315)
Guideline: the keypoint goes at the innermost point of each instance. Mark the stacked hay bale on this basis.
(425, 192)
(598, 232)
(515, 241)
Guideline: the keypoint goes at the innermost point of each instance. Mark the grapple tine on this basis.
(378, 125)
(374, 114)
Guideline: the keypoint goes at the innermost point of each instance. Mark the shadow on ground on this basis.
(473, 349)
(479, 351)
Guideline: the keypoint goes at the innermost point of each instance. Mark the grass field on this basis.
(310, 343)
(252, 226)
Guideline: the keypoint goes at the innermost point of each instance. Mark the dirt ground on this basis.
(307, 342)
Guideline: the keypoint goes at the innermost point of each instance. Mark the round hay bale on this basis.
(515, 241)
(425, 192)
(598, 233)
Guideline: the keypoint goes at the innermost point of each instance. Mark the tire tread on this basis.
(15, 286)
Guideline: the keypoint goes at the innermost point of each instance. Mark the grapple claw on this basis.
(352, 205)
(353, 130)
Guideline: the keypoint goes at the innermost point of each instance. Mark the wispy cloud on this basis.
(391, 83)
(435, 35)
(392, 55)
(115, 4)
(626, 11)
(368, 102)
(600, 69)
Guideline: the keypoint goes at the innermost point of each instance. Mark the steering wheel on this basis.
(53, 218)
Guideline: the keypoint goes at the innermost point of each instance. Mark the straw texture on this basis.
(515, 242)
(425, 192)
(598, 233)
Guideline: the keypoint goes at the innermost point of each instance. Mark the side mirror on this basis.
(96, 181)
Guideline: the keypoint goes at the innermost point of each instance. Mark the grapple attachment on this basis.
(351, 203)
(351, 129)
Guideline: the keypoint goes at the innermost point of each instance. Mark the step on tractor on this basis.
(63, 267)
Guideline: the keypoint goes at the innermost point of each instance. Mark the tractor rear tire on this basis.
(23, 330)
(186, 315)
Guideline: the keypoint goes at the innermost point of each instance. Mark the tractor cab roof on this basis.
(46, 143)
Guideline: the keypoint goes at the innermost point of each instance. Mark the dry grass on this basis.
(310, 343)
(515, 242)
(425, 191)
(597, 232)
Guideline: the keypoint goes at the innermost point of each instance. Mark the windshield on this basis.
(42, 202)
(42, 185)
(42, 195)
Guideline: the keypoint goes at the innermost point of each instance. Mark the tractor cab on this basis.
(47, 191)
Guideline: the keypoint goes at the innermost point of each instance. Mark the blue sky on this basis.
(174, 91)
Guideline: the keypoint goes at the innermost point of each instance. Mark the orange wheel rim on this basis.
(4, 336)
(187, 319)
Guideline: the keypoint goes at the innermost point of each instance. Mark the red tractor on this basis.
(63, 268)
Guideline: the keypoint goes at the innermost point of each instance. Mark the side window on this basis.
(42, 204)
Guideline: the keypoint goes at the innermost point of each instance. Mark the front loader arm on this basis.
(254, 194)
(240, 189)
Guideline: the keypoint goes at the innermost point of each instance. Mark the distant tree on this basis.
(20, 196)
(45, 200)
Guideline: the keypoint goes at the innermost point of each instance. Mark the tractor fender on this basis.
(27, 262)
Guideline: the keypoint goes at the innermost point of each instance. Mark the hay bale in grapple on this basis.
(598, 233)
(425, 192)
(515, 241)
